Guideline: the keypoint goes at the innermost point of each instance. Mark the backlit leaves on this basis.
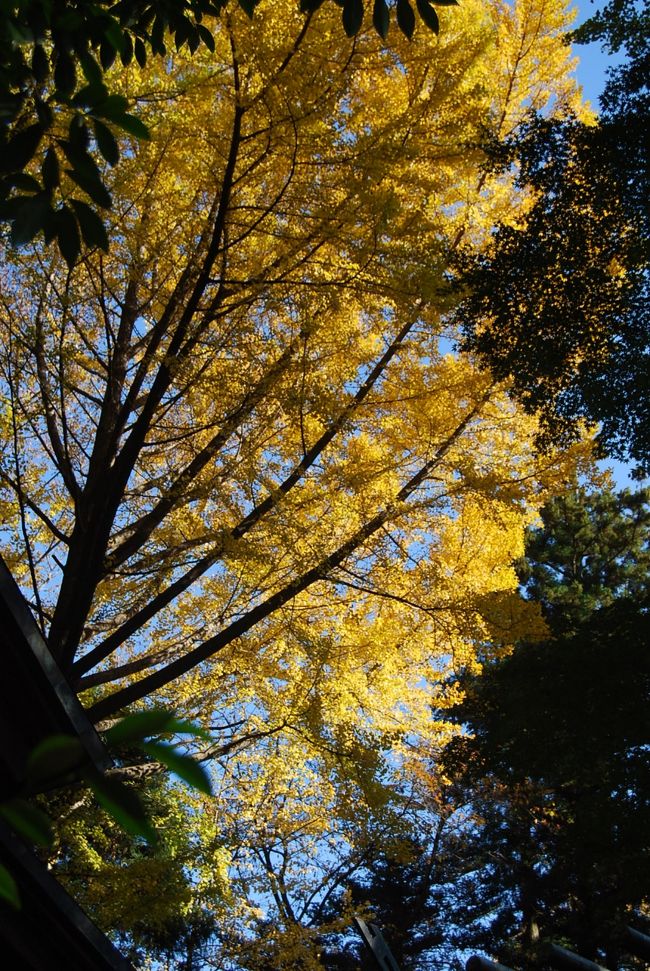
(122, 803)
(60, 760)
(144, 724)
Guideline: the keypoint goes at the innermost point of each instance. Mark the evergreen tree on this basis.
(557, 756)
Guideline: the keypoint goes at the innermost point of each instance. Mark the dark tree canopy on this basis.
(396, 889)
(557, 757)
(560, 306)
(536, 824)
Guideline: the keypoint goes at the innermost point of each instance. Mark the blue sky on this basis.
(593, 62)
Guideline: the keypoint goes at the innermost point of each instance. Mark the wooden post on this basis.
(477, 963)
(377, 945)
(561, 958)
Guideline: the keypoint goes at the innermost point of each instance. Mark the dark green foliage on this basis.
(592, 551)
(396, 890)
(622, 26)
(538, 826)
(566, 297)
(557, 765)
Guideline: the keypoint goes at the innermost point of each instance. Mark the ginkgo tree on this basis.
(242, 473)
(53, 95)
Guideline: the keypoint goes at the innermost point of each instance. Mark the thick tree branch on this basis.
(138, 619)
(175, 669)
(106, 484)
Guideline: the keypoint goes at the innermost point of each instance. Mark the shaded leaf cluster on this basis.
(559, 306)
(61, 760)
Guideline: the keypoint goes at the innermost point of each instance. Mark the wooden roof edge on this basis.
(80, 724)
(634, 942)
(69, 920)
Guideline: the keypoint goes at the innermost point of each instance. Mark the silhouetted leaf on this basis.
(50, 228)
(50, 170)
(91, 69)
(380, 18)
(248, 6)
(24, 182)
(113, 34)
(140, 52)
(182, 33)
(405, 18)
(112, 107)
(184, 766)
(28, 821)
(79, 133)
(132, 125)
(206, 37)
(20, 149)
(97, 191)
(193, 40)
(10, 105)
(68, 235)
(157, 34)
(126, 54)
(92, 227)
(106, 142)
(428, 14)
(107, 54)
(352, 16)
(65, 72)
(91, 95)
(310, 6)
(30, 215)
(80, 160)
(44, 112)
(40, 63)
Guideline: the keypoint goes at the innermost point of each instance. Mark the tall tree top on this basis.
(592, 549)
